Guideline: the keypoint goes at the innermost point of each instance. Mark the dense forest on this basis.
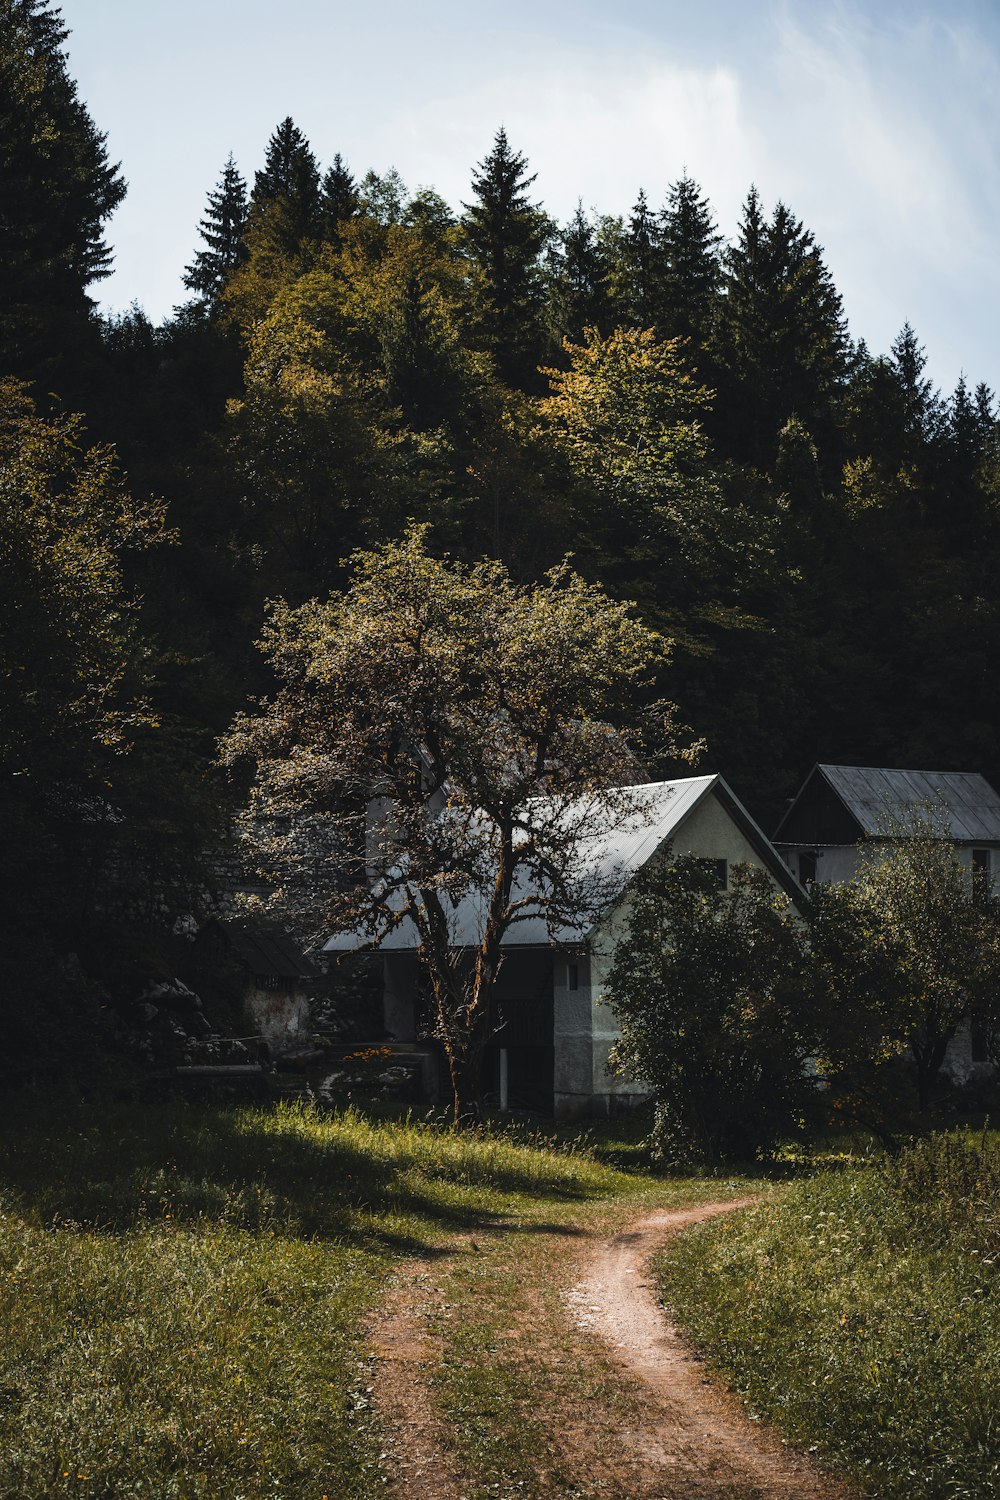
(815, 526)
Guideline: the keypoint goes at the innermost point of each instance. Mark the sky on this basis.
(874, 120)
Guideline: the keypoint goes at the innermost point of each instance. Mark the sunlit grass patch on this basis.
(183, 1289)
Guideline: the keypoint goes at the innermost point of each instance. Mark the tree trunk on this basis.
(465, 1053)
(929, 1058)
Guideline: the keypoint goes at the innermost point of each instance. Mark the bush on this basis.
(711, 987)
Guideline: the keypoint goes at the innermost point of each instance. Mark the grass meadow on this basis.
(860, 1312)
(183, 1288)
(184, 1292)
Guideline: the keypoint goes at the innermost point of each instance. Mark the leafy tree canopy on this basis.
(713, 994)
(914, 941)
(477, 713)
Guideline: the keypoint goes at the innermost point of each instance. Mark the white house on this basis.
(841, 807)
(551, 1050)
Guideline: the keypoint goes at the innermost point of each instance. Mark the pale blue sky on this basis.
(875, 120)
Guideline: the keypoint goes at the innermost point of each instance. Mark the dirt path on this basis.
(629, 1410)
(697, 1436)
(418, 1458)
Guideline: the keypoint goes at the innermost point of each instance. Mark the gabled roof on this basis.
(609, 855)
(263, 948)
(967, 803)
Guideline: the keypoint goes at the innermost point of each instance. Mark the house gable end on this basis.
(818, 816)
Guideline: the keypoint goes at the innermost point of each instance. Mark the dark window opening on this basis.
(807, 866)
(573, 976)
(981, 884)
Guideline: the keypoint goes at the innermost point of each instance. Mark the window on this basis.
(572, 976)
(807, 866)
(981, 884)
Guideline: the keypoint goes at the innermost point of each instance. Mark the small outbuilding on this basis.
(839, 807)
(270, 976)
(555, 1030)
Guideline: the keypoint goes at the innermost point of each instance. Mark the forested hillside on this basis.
(815, 526)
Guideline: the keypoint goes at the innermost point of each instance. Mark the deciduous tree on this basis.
(713, 994)
(930, 961)
(476, 714)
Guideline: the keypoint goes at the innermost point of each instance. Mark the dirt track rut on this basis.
(698, 1437)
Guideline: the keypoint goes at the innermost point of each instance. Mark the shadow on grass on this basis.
(374, 1185)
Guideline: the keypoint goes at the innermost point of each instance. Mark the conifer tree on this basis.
(692, 271)
(781, 339)
(579, 294)
(285, 203)
(640, 273)
(338, 196)
(986, 415)
(223, 229)
(505, 234)
(909, 362)
(963, 437)
(57, 189)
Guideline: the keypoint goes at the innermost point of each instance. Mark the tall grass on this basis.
(182, 1290)
(860, 1312)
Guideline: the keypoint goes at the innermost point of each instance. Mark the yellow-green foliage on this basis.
(860, 1313)
(181, 1290)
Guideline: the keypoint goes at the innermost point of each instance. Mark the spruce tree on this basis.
(963, 437)
(285, 203)
(692, 270)
(578, 296)
(640, 274)
(909, 362)
(781, 341)
(338, 197)
(223, 229)
(57, 189)
(505, 234)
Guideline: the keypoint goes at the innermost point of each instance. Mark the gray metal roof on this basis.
(966, 801)
(265, 948)
(609, 857)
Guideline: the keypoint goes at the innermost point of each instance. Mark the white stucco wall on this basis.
(839, 862)
(280, 1017)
